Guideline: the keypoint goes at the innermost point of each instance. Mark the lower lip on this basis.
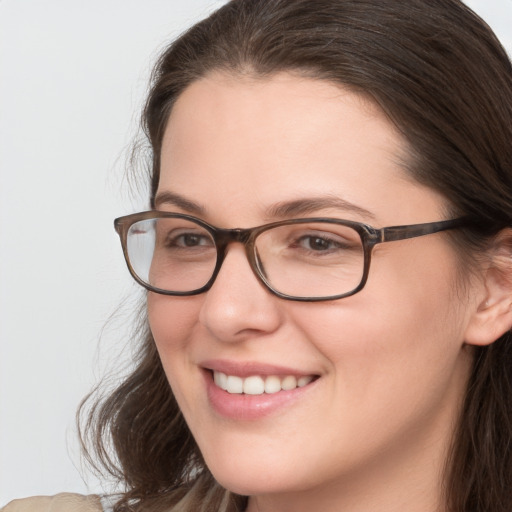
(250, 407)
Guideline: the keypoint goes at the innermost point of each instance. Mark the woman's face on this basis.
(387, 365)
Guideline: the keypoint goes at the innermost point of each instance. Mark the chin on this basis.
(265, 477)
(250, 484)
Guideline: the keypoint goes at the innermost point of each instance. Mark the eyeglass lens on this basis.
(302, 260)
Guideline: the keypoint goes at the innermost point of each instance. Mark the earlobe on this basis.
(493, 315)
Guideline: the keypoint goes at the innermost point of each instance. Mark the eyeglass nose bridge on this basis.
(223, 238)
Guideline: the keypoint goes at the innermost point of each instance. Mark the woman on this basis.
(295, 357)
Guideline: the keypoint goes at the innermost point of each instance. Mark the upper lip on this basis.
(248, 368)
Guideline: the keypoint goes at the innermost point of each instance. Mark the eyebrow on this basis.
(281, 210)
(181, 202)
(310, 205)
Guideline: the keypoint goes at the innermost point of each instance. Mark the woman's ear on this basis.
(493, 315)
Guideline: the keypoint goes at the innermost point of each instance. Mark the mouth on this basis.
(259, 384)
(251, 390)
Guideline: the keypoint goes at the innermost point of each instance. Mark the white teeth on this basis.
(221, 379)
(234, 384)
(289, 382)
(304, 381)
(256, 385)
(272, 384)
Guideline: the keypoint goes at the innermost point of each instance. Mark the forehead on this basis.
(242, 143)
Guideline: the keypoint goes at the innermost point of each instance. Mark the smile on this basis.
(250, 391)
(258, 385)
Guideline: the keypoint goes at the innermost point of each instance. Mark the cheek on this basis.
(401, 335)
(172, 320)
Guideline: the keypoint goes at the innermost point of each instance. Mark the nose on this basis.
(238, 305)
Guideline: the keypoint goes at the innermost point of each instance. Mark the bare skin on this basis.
(391, 362)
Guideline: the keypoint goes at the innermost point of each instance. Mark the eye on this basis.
(312, 242)
(188, 240)
(318, 243)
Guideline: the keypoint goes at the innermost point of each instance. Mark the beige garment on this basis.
(65, 502)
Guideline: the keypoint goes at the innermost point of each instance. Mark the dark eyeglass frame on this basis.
(370, 237)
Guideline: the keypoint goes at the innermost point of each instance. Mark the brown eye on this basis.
(317, 243)
(189, 240)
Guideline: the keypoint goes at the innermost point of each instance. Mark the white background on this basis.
(72, 78)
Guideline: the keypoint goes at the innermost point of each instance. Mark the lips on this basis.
(252, 391)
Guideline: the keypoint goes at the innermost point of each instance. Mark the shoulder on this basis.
(65, 502)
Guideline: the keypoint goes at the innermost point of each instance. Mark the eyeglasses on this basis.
(311, 259)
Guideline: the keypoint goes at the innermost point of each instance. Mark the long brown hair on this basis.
(444, 80)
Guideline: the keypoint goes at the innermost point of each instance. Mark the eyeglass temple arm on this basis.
(392, 233)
